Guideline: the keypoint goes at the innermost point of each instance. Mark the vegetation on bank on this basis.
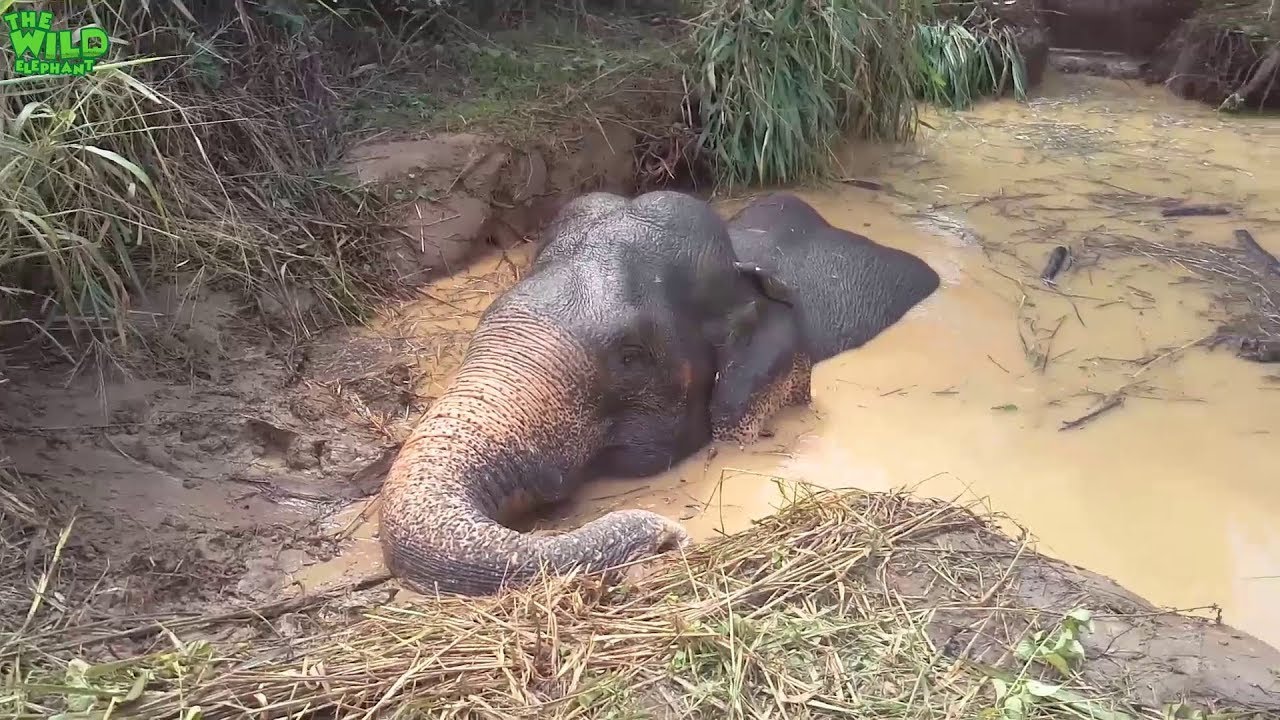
(176, 154)
(970, 56)
(838, 606)
(782, 80)
(180, 153)
(1235, 48)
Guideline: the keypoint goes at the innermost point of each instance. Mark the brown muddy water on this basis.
(1176, 493)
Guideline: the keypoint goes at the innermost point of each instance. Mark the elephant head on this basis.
(600, 361)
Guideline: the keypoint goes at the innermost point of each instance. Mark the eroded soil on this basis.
(231, 469)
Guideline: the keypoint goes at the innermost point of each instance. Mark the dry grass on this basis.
(795, 618)
(39, 572)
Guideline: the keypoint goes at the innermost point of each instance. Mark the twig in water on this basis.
(1169, 353)
(1195, 210)
(1048, 350)
(1111, 403)
(864, 184)
(1059, 260)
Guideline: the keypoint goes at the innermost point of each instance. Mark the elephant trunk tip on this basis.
(484, 558)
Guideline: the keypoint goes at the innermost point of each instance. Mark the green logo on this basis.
(40, 50)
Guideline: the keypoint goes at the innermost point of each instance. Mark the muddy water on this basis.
(1175, 492)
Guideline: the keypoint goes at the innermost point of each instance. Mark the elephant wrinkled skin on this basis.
(845, 288)
(600, 361)
(763, 369)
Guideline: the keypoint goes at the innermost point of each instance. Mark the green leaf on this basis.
(1081, 615)
(139, 685)
(1042, 689)
(1057, 662)
(1076, 649)
(1014, 708)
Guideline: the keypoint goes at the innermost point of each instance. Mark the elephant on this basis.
(601, 360)
(844, 288)
(763, 368)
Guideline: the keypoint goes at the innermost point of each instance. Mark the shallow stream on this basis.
(1175, 493)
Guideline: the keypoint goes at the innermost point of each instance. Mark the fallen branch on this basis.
(1195, 210)
(1059, 260)
(1268, 261)
(1265, 72)
(1110, 403)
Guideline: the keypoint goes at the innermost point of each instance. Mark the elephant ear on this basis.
(770, 285)
(742, 321)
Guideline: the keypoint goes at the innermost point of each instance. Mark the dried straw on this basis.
(800, 616)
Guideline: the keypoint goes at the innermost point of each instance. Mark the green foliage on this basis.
(781, 80)
(75, 206)
(1059, 648)
(98, 690)
(507, 81)
(149, 165)
(964, 64)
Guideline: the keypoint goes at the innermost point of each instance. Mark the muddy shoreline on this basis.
(1223, 54)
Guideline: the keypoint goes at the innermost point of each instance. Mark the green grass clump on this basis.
(964, 64)
(781, 80)
(75, 206)
(512, 81)
(144, 167)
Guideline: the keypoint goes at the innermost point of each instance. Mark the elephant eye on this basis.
(631, 354)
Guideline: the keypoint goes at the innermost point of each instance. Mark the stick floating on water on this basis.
(1110, 403)
(1059, 260)
(1195, 210)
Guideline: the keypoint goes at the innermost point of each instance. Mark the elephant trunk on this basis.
(511, 431)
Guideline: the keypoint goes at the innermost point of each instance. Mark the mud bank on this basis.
(1227, 55)
(456, 196)
(1223, 54)
(875, 603)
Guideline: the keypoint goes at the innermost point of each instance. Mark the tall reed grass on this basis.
(159, 161)
(967, 61)
(781, 80)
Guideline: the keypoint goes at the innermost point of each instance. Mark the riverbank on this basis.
(842, 602)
